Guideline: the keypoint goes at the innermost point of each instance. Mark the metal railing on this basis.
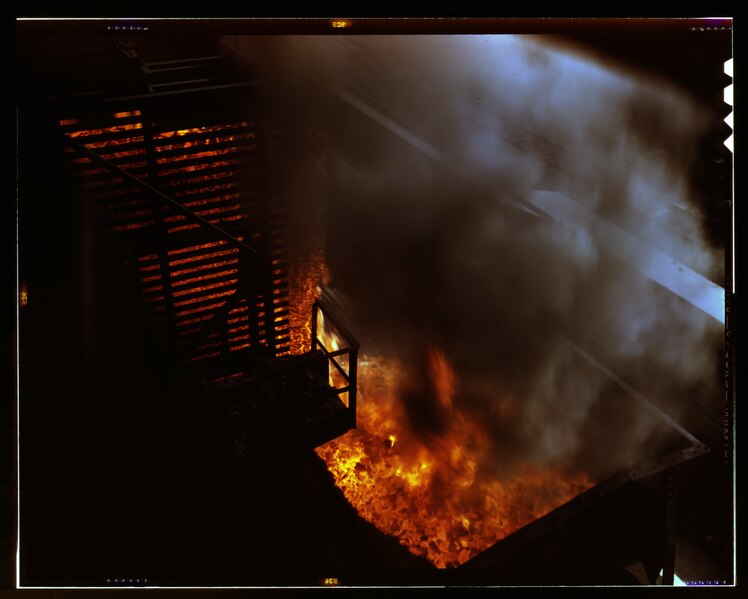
(331, 336)
(253, 264)
(160, 196)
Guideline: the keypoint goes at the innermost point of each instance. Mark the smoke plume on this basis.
(436, 147)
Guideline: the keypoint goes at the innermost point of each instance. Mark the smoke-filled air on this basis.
(514, 228)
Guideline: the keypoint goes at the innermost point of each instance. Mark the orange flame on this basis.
(432, 496)
(442, 376)
(429, 495)
(304, 281)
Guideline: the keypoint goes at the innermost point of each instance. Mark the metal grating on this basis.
(187, 275)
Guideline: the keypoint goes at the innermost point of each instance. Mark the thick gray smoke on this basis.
(441, 230)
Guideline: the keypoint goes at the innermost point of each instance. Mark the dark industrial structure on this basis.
(167, 423)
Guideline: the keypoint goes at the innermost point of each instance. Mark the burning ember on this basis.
(304, 281)
(431, 493)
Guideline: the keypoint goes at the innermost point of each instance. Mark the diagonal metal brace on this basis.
(172, 203)
(159, 195)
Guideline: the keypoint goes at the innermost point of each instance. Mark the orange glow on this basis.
(303, 289)
(122, 141)
(184, 323)
(196, 167)
(133, 166)
(433, 495)
(442, 376)
(212, 200)
(198, 309)
(168, 160)
(227, 252)
(438, 495)
(113, 129)
(201, 179)
(238, 329)
(202, 288)
(242, 346)
(239, 319)
(202, 298)
(209, 129)
(124, 154)
(122, 115)
(228, 219)
(202, 142)
(192, 248)
(212, 190)
(188, 227)
(332, 343)
(214, 275)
